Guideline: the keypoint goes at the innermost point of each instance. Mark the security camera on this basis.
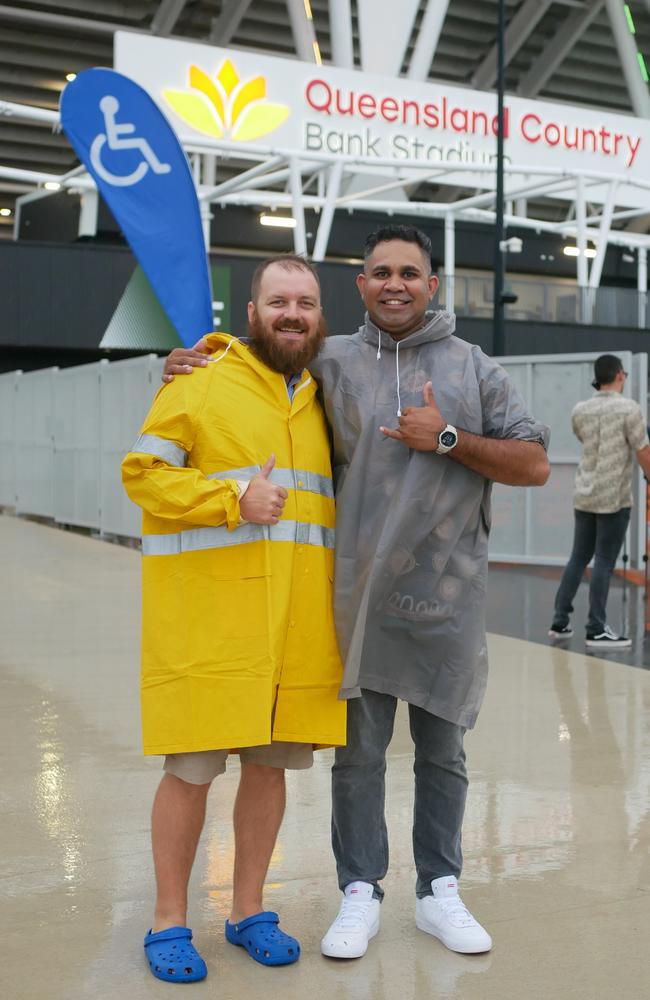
(512, 245)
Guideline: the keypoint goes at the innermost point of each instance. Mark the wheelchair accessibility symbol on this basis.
(114, 138)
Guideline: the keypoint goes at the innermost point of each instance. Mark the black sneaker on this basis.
(560, 631)
(607, 639)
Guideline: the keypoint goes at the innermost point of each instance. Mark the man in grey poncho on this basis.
(422, 424)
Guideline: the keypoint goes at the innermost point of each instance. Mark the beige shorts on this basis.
(201, 767)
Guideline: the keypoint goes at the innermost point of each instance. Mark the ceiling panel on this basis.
(42, 41)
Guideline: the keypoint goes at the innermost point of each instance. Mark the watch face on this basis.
(448, 439)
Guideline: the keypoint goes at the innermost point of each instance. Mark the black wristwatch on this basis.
(447, 439)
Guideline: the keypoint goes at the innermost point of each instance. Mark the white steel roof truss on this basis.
(225, 25)
(519, 29)
(558, 48)
(165, 18)
(259, 167)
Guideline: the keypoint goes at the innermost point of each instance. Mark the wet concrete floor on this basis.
(556, 837)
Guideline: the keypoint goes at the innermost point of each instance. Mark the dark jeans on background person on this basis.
(359, 836)
(601, 536)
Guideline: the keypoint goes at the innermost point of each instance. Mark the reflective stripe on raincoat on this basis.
(238, 639)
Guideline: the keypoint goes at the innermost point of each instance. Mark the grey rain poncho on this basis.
(412, 527)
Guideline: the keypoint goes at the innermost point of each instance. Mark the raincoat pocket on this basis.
(232, 593)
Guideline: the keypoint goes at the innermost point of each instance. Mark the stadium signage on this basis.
(249, 98)
(445, 115)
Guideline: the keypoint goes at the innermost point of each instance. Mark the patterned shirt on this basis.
(611, 429)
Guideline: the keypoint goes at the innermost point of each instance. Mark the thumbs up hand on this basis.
(419, 426)
(263, 502)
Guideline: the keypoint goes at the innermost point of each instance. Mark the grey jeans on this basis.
(600, 536)
(359, 836)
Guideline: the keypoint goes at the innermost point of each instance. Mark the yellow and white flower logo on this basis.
(227, 107)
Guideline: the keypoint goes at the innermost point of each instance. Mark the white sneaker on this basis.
(446, 917)
(356, 923)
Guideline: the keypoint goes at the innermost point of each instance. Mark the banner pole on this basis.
(498, 331)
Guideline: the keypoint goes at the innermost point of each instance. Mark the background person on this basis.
(612, 431)
(238, 646)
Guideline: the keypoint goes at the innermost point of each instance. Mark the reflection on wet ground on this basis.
(556, 839)
(520, 604)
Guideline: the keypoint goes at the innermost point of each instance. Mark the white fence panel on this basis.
(77, 445)
(63, 435)
(536, 525)
(8, 389)
(127, 388)
(33, 436)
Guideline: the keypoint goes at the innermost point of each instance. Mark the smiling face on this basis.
(286, 322)
(396, 287)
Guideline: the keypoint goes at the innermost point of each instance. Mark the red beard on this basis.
(283, 356)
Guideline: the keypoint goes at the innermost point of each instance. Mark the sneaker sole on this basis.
(560, 635)
(608, 644)
(352, 955)
(428, 928)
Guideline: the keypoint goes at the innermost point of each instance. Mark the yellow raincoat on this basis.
(238, 640)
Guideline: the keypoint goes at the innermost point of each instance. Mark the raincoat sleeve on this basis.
(156, 474)
(504, 411)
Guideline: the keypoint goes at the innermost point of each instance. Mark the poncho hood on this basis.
(438, 325)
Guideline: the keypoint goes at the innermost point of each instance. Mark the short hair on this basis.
(606, 368)
(408, 234)
(289, 261)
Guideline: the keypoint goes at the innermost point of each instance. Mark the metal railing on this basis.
(548, 302)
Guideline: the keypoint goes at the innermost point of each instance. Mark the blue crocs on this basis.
(173, 957)
(263, 939)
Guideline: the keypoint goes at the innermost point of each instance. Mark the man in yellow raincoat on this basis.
(232, 471)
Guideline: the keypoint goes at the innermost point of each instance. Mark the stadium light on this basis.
(279, 221)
